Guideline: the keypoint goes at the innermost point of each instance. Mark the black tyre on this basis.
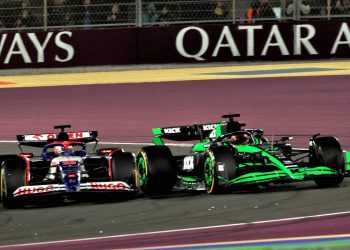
(157, 169)
(13, 176)
(124, 169)
(2, 159)
(219, 162)
(326, 151)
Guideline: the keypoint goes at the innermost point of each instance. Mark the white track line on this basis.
(180, 230)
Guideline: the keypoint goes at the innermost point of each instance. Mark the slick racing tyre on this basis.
(157, 169)
(13, 176)
(2, 159)
(219, 167)
(326, 151)
(123, 168)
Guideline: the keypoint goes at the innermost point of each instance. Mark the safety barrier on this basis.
(314, 39)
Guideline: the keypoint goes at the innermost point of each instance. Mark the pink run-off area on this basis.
(274, 230)
(127, 112)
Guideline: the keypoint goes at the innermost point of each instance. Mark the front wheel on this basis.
(326, 151)
(219, 169)
(13, 176)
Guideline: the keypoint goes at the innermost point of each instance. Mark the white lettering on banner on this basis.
(65, 46)
(172, 130)
(40, 48)
(2, 42)
(344, 30)
(250, 37)
(180, 43)
(275, 39)
(275, 33)
(298, 40)
(17, 46)
(18, 42)
(225, 33)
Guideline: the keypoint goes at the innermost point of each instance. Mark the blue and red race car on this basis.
(64, 168)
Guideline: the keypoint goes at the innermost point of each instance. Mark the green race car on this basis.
(228, 155)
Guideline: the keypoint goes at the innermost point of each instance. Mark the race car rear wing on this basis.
(40, 140)
(183, 133)
(197, 131)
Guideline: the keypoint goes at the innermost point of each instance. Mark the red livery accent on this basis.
(69, 163)
(108, 186)
(37, 136)
(106, 151)
(110, 163)
(35, 189)
(75, 135)
(26, 155)
(51, 136)
(27, 172)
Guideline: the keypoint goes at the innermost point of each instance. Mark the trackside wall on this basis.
(176, 44)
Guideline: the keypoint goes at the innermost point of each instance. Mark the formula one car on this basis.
(64, 168)
(227, 156)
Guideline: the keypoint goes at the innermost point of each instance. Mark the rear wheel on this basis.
(157, 169)
(13, 176)
(219, 167)
(326, 151)
(124, 169)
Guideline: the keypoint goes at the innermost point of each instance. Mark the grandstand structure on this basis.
(58, 14)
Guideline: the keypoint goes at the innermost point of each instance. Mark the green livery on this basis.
(226, 155)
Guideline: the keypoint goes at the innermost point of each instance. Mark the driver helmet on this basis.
(58, 150)
(240, 139)
(70, 150)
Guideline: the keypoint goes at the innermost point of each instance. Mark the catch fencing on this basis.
(58, 14)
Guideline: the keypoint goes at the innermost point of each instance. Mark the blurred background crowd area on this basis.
(50, 14)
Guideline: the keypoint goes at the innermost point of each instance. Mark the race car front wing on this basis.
(116, 186)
